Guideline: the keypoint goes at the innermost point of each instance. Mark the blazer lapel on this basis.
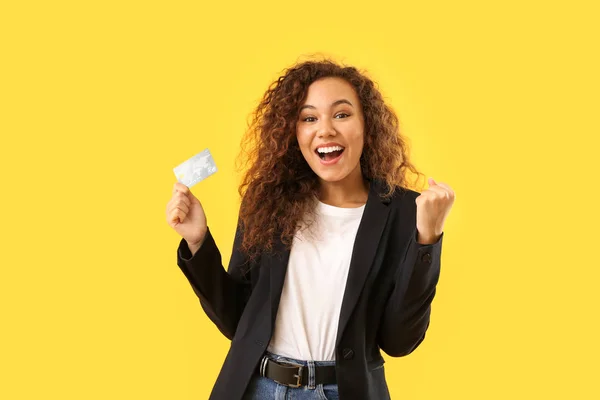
(365, 247)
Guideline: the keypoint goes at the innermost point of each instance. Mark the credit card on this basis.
(196, 169)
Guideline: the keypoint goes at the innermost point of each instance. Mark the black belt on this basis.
(295, 375)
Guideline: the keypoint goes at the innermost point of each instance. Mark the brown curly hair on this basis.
(278, 185)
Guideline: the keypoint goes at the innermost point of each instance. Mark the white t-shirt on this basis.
(309, 309)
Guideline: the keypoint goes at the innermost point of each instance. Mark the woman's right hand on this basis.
(186, 215)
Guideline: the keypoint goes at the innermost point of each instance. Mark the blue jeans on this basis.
(262, 388)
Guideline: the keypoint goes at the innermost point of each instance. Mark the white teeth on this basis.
(329, 149)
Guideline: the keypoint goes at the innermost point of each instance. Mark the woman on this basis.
(334, 258)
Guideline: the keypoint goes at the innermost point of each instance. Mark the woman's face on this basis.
(330, 130)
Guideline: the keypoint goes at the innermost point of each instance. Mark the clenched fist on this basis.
(186, 215)
(433, 206)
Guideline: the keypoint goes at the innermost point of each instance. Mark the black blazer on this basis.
(386, 304)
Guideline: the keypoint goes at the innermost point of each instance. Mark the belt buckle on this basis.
(298, 376)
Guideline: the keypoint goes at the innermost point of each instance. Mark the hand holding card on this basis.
(184, 211)
(186, 216)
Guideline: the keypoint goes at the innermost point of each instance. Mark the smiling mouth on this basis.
(329, 156)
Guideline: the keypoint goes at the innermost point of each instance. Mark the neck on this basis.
(351, 191)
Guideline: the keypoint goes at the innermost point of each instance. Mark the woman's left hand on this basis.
(433, 206)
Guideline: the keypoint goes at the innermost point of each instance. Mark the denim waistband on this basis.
(277, 357)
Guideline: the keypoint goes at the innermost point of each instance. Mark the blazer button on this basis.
(348, 354)
(426, 258)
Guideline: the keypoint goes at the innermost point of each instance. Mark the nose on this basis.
(326, 128)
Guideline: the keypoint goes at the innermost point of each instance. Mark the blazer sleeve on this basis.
(405, 318)
(222, 294)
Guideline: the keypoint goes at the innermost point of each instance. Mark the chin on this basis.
(331, 178)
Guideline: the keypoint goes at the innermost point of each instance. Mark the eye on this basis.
(307, 119)
(344, 114)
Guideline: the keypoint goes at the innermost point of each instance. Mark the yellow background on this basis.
(101, 99)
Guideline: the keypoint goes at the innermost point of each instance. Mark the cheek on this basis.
(358, 143)
(303, 141)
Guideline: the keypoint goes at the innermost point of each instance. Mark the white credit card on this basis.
(196, 169)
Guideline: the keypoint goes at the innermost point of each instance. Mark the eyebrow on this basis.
(335, 103)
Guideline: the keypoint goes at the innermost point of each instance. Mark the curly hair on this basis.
(278, 187)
